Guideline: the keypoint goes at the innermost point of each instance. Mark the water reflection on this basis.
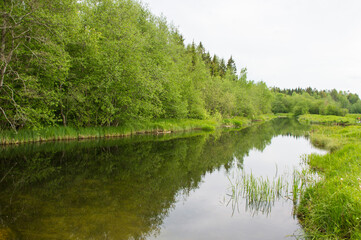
(123, 188)
(205, 212)
(259, 187)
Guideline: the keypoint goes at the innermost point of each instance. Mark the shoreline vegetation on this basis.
(114, 65)
(349, 119)
(331, 208)
(165, 126)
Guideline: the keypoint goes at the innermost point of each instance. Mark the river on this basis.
(175, 186)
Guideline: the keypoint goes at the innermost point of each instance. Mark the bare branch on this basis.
(24, 16)
(6, 61)
(12, 95)
(12, 7)
(3, 71)
(8, 172)
(11, 124)
(21, 34)
(34, 54)
(7, 27)
(12, 71)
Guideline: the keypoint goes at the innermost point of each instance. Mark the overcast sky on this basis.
(285, 43)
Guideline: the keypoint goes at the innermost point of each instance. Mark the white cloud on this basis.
(286, 43)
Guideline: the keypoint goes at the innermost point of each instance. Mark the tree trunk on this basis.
(2, 53)
(63, 116)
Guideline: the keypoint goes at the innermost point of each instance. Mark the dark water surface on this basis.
(148, 187)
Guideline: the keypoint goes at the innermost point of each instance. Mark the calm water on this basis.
(148, 187)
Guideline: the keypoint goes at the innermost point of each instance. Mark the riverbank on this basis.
(331, 209)
(348, 119)
(163, 126)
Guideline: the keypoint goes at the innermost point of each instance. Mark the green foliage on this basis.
(356, 107)
(302, 101)
(237, 122)
(328, 120)
(108, 63)
(331, 208)
(34, 61)
(280, 104)
(52, 188)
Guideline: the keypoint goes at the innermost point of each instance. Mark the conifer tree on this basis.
(231, 66)
(222, 68)
(207, 59)
(215, 66)
(193, 53)
(201, 50)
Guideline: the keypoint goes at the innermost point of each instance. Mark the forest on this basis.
(106, 63)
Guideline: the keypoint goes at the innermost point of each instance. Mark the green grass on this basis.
(331, 209)
(70, 133)
(354, 116)
(350, 119)
(162, 126)
(334, 137)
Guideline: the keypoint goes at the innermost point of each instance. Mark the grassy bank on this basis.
(331, 209)
(349, 119)
(71, 133)
(154, 127)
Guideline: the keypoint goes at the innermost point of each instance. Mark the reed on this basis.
(260, 194)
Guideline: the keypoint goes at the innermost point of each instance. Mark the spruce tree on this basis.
(222, 68)
(231, 66)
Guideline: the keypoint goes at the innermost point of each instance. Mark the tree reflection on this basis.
(119, 188)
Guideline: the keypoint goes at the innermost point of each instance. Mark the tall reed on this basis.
(261, 193)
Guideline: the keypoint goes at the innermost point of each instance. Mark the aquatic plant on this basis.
(261, 193)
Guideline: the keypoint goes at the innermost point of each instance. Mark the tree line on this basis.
(106, 62)
(109, 62)
(326, 102)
